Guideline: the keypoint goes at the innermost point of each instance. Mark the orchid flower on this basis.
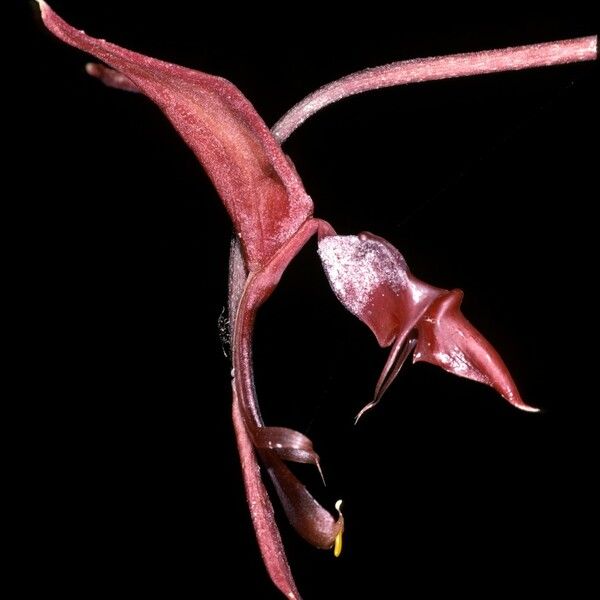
(273, 219)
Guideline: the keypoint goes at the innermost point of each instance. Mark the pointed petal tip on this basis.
(43, 6)
(527, 408)
(515, 399)
(363, 410)
(318, 465)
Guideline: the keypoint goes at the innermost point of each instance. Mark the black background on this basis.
(484, 184)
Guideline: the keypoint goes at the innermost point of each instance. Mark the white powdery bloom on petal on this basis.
(357, 266)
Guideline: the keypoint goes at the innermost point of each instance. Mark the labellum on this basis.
(372, 280)
(272, 218)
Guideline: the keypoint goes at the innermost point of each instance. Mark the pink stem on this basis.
(438, 67)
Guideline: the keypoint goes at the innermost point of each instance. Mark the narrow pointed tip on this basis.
(513, 397)
(46, 12)
(359, 415)
(318, 464)
(527, 408)
(364, 410)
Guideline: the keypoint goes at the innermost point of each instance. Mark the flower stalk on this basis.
(418, 70)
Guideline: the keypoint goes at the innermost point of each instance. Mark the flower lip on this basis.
(371, 278)
(448, 340)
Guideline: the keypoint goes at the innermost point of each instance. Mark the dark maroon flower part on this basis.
(372, 280)
(272, 218)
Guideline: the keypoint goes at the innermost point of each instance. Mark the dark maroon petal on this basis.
(261, 511)
(258, 185)
(372, 280)
(288, 444)
(448, 340)
(315, 524)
